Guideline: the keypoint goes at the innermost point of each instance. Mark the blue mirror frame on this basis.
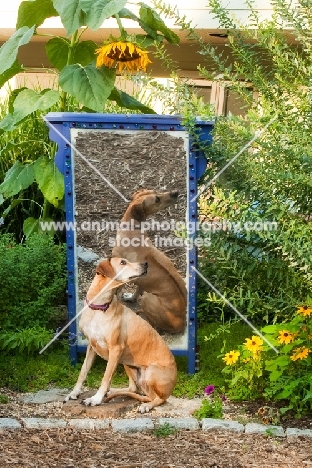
(60, 126)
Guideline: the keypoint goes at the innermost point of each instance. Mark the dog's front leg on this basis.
(113, 360)
(86, 366)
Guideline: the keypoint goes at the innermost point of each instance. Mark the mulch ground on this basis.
(69, 448)
(129, 161)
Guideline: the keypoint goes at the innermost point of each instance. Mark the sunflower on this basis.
(306, 311)
(285, 337)
(253, 344)
(300, 353)
(126, 54)
(231, 357)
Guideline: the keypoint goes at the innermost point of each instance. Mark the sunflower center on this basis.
(123, 56)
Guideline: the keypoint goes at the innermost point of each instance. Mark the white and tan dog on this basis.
(119, 335)
(163, 290)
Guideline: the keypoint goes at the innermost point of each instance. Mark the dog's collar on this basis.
(102, 307)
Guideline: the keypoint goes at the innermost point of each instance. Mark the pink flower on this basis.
(209, 390)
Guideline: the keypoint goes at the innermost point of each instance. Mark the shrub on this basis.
(32, 282)
(259, 164)
(276, 366)
(28, 340)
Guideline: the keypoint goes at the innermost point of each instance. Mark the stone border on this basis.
(143, 424)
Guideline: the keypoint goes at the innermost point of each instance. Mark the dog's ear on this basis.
(105, 269)
(137, 211)
(138, 193)
(141, 193)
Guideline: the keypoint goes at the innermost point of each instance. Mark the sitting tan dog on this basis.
(164, 295)
(119, 335)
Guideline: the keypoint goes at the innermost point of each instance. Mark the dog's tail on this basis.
(134, 395)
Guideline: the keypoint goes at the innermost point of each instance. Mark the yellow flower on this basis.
(126, 54)
(300, 353)
(253, 344)
(306, 311)
(231, 357)
(285, 337)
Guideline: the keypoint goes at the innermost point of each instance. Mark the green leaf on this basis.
(125, 100)
(275, 375)
(34, 13)
(26, 102)
(91, 86)
(8, 51)
(12, 97)
(19, 177)
(29, 101)
(125, 13)
(12, 205)
(50, 180)
(154, 21)
(269, 329)
(30, 226)
(146, 41)
(285, 393)
(10, 72)
(286, 348)
(99, 10)
(271, 366)
(57, 51)
(71, 14)
(7, 123)
(84, 52)
(282, 361)
(285, 409)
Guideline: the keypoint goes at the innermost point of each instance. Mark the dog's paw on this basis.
(143, 408)
(71, 396)
(93, 401)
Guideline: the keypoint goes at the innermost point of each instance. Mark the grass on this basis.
(211, 364)
(53, 368)
(4, 399)
(164, 430)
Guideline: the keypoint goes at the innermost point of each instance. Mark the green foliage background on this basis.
(32, 283)
(268, 159)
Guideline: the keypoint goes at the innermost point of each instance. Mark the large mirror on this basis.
(109, 166)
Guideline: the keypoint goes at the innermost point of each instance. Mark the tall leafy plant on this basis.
(82, 86)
